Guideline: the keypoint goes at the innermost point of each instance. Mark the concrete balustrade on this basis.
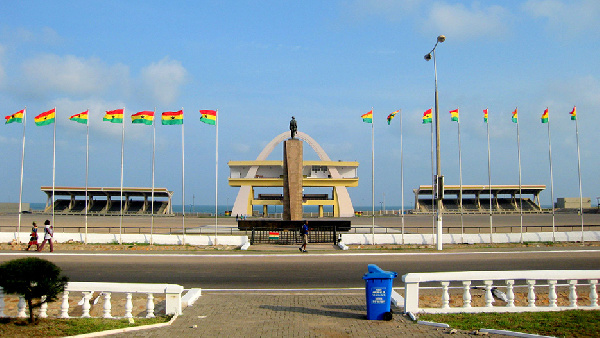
(535, 282)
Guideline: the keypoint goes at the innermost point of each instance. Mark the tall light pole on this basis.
(439, 182)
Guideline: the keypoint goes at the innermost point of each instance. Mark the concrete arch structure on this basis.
(241, 204)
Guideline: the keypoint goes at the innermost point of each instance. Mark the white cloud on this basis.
(459, 22)
(566, 17)
(163, 79)
(72, 75)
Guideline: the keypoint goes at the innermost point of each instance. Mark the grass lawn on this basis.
(571, 323)
(13, 327)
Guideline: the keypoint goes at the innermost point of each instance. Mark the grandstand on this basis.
(476, 198)
(107, 201)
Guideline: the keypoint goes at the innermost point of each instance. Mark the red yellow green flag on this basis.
(172, 117)
(515, 116)
(368, 117)
(485, 115)
(391, 116)
(143, 117)
(573, 114)
(427, 116)
(46, 118)
(114, 116)
(208, 116)
(454, 115)
(545, 116)
(16, 117)
(80, 118)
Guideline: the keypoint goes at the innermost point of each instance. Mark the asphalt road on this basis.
(293, 271)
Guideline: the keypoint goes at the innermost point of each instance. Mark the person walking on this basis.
(48, 234)
(33, 239)
(304, 233)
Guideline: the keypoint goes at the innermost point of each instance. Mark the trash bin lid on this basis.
(375, 272)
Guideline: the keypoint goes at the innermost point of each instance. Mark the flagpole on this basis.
(216, 175)
(433, 215)
(87, 159)
(520, 192)
(153, 156)
(54, 165)
(579, 174)
(401, 176)
(551, 181)
(489, 177)
(21, 189)
(183, 179)
(121, 199)
(373, 177)
(462, 236)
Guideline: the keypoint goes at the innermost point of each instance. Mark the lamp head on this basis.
(441, 38)
(428, 57)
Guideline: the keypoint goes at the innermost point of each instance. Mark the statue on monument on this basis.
(293, 127)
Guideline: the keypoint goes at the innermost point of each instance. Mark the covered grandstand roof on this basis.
(107, 191)
(484, 189)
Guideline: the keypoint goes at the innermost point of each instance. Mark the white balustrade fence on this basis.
(172, 293)
(494, 281)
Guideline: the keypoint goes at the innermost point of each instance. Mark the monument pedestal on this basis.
(292, 180)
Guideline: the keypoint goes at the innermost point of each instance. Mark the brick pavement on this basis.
(339, 313)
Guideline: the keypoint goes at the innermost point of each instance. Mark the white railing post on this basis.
(2, 303)
(128, 305)
(489, 299)
(150, 306)
(510, 294)
(64, 307)
(21, 308)
(107, 306)
(445, 295)
(411, 297)
(573, 293)
(466, 293)
(87, 295)
(552, 292)
(531, 292)
(593, 293)
(173, 299)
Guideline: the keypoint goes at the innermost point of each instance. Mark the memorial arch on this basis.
(323, 173)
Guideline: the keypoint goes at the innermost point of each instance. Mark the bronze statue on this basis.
(293, 127)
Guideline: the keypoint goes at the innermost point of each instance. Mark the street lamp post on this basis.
(439, 182)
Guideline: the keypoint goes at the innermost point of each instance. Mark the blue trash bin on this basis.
(378, 286)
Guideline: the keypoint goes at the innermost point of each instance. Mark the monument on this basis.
(292, 176)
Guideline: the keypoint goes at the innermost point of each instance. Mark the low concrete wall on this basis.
(13, 208)
(429, 239)
(133, 238)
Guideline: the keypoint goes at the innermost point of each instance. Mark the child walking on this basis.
(33, 239)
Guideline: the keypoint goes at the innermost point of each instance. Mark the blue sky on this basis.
(326, 63)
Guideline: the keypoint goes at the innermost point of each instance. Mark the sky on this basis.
(324, 62)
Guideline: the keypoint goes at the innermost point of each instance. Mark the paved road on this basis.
(324, 270)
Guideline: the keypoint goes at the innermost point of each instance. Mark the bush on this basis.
(37, 280)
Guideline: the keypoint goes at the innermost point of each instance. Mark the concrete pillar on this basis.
(292, 180)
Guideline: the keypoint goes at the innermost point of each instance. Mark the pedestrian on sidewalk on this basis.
(48, 234)
(304, 233)
(33, 239)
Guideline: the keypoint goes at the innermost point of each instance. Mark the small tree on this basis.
(33, 278)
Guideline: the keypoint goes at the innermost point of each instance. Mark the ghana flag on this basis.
(427, 116)
(16, 117)
(545, 116)
(143, 117)
(46, 118)
(273, 235)
(368, 117)
(573, 114)
(485, 117)
(208, 116)
(454, 115)
(515, 116)
(114, 116)
(80, 118)
(391, 116)
(172, 117)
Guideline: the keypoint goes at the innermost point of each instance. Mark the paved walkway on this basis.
(339, 313)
